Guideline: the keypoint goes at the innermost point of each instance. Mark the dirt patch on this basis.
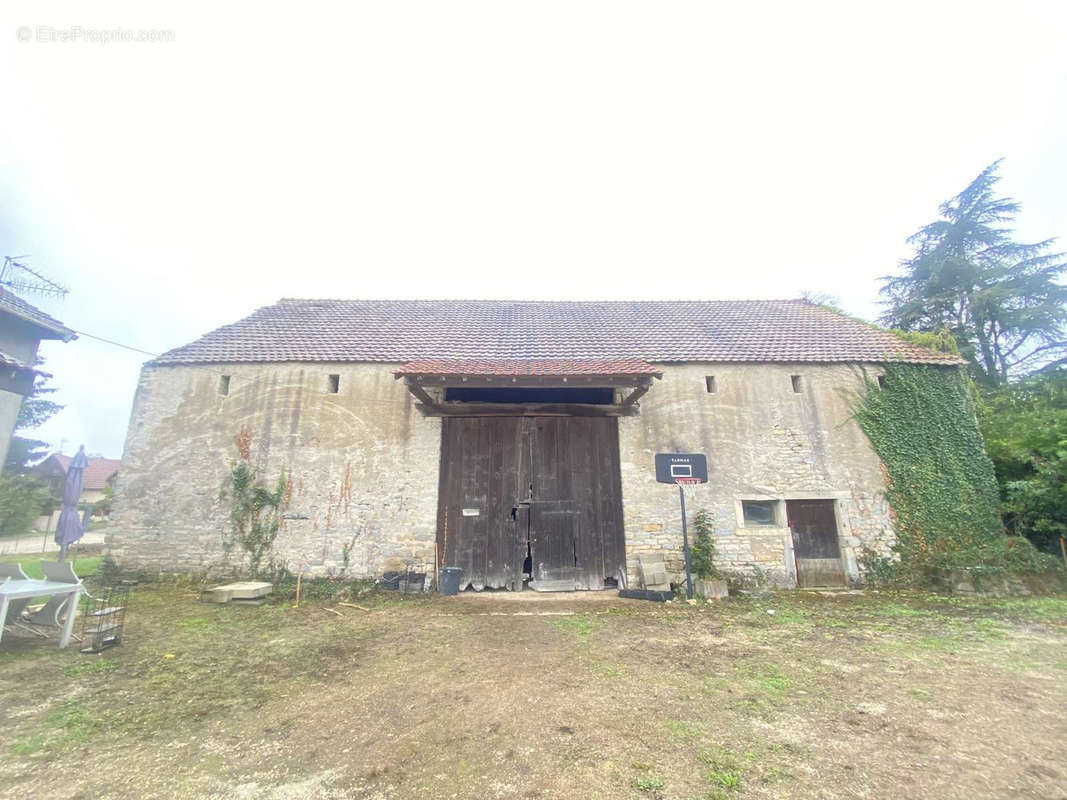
(547, 696)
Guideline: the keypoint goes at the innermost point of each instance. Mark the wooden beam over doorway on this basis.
(525, 410)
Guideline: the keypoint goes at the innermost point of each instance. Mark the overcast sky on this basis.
(550, 150)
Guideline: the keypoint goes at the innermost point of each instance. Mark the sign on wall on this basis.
(681, 468)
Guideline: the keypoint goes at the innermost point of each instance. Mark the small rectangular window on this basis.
(881, 381)
(796, 383)
(759, 513)
(224, 384)
(709, 381)
(334, 384)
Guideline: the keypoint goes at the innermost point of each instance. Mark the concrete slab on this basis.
(242, 590)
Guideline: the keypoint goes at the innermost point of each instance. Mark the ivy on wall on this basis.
(941, 486)
(255, 511)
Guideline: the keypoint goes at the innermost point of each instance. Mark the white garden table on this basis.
(18, 589)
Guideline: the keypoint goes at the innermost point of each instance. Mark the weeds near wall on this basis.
(702, 551)
(941, 487)
(346, 551)
(255, 511)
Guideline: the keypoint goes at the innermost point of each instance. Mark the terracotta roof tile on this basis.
(529, 367)
(408, 330)
(13, 304)
(97, 473)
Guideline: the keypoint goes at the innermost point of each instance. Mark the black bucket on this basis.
(450, 580)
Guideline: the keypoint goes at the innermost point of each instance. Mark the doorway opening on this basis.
(816, 547)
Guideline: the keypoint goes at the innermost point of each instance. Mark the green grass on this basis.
(683, 730)
(649, 783)
(96, 666)
(723, 770)
(1044, 609)
(31, 564)
(66, 725)
(582, 625)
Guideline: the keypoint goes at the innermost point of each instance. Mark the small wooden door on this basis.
(554, 537)
(815, 543)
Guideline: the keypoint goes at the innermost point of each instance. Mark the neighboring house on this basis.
(515, 438)
(22, 327)
(100, 475)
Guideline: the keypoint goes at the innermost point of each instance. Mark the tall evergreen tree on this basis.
(1000, 299)
(36, 410)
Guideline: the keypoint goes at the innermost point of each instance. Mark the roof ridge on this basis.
(792, 300)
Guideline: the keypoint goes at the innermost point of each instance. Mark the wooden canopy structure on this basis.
(528, 387)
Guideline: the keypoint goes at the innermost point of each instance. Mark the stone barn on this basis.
(514, 440)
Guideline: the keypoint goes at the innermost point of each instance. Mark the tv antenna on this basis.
(16, 276)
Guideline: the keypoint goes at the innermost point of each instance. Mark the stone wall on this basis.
(363, 464)
(763, 441)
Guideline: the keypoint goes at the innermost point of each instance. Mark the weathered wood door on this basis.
(815, 544)
(544, 486)
(479, 528)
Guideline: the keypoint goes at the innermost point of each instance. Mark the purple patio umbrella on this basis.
(69, 529)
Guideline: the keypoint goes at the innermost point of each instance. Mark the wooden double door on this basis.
(536, 496)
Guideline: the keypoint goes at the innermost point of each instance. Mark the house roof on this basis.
(97, 473)
(15, 363)
(16, 306)
(400, 331)
(529, 367)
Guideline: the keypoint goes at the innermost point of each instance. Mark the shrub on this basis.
(22, 500)
(702, 551)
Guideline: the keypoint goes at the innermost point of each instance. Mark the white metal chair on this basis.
(48, 616)
(59, 571)
(13, 571)
(15, 609)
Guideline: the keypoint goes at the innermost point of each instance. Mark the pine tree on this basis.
(36, 410)
(1000, 299)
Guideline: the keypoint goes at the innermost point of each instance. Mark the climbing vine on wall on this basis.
(941, 487)
(255, 510)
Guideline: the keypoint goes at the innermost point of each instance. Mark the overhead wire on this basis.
(144, 352)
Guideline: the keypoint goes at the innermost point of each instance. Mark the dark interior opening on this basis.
(474, 394)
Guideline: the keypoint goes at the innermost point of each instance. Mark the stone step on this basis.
(242, 590)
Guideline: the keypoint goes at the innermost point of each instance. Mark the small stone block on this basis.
(243, 590)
